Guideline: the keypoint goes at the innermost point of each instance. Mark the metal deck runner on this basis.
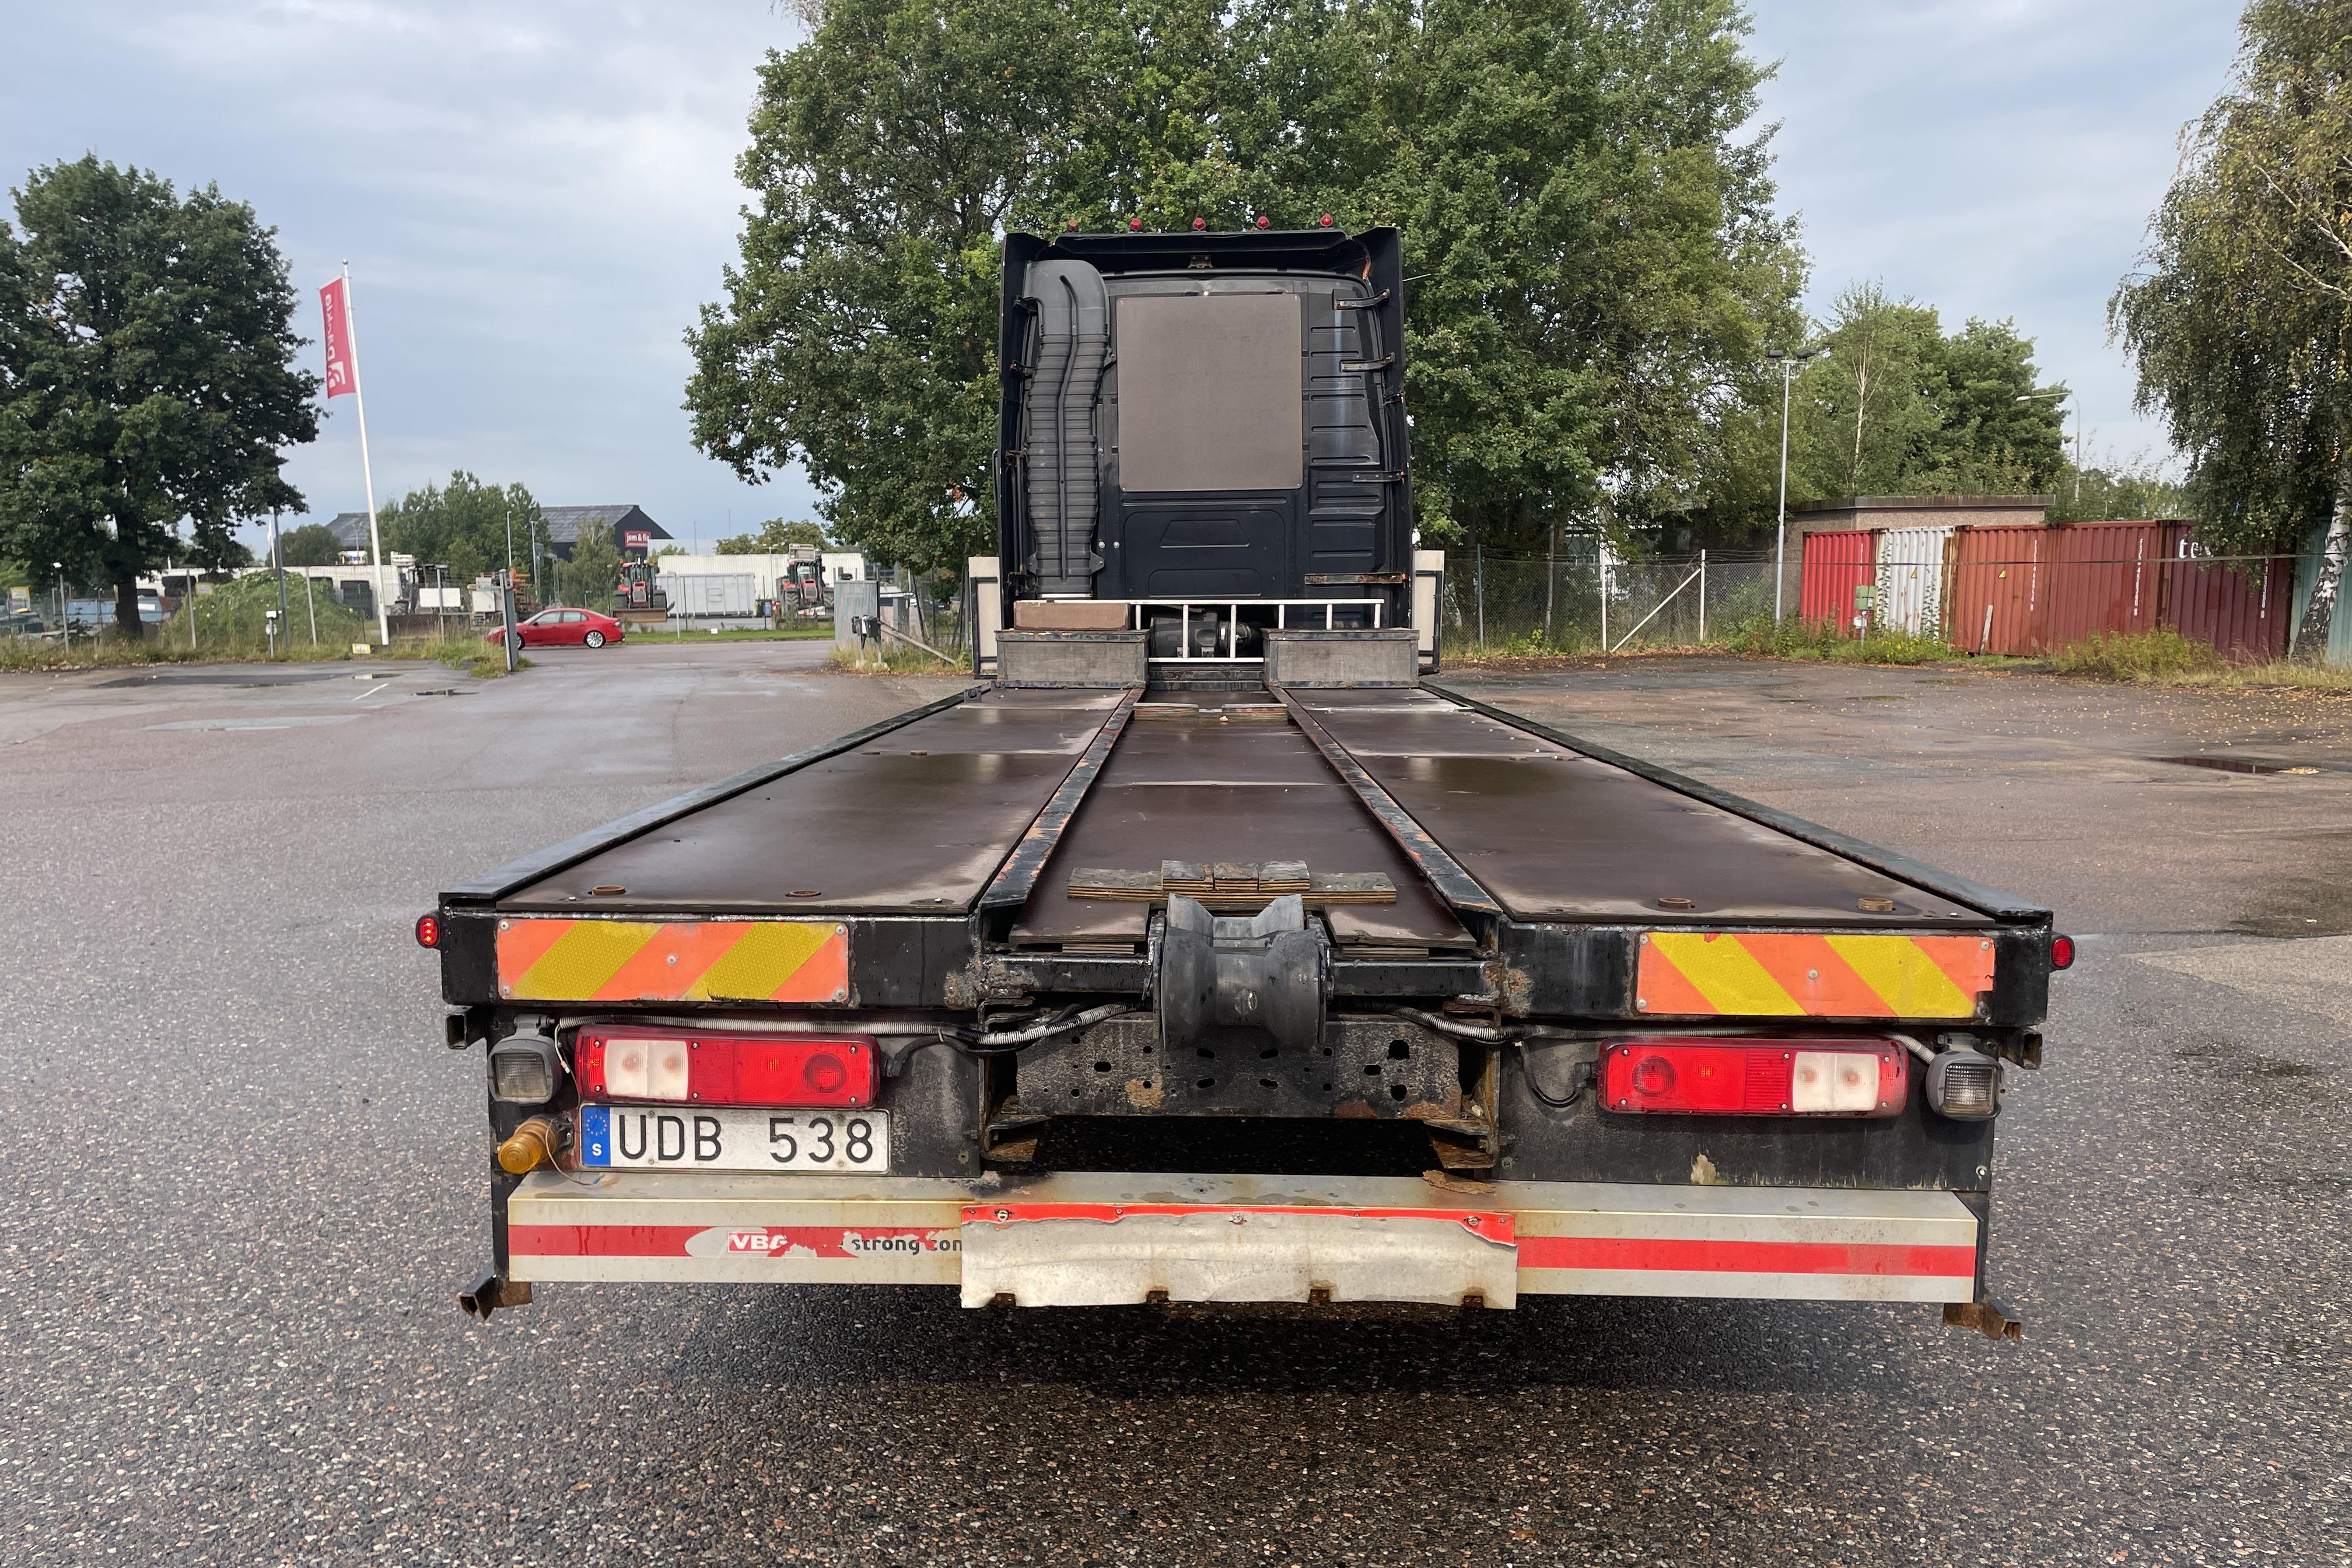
(1208, 790)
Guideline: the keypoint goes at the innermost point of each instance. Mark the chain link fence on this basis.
(1584, 602)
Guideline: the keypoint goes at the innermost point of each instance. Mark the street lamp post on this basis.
(64, 622)
(1788, 363)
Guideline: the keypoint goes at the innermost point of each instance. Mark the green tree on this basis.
(1999, 430)
(467, 526)
(1599, 269)
(858, 337)
(146, 374)
(2239, 315)
(1899, 407)
(312, 544)
(775, 537)
(1868, 415)
(2131, 486)
(1596, 264)
(594, 569)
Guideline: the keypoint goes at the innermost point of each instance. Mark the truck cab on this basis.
(1208, 431)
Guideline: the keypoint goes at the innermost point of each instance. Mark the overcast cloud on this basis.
(1994, 158)
(535, 198)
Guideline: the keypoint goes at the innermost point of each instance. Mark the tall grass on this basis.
(2165, 658)
(2162, 654)
(898, 660)
(1567, 642)
(1762, 637)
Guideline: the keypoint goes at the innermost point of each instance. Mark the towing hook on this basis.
(489, 1291)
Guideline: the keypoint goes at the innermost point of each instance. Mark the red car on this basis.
(562, 629)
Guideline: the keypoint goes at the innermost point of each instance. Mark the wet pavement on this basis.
(238, 1192)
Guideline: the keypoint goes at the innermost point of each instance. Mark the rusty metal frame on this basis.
(1444, 874)
(1014, 880)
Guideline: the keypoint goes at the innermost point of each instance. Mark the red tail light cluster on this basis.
(429, 931)
(1698, 1076)
(684, 1066)
(2062, 952)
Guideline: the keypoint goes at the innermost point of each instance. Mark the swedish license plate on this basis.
(650, 1138)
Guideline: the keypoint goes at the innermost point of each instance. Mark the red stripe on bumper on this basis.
(1745, 1256)
(1493, 1226)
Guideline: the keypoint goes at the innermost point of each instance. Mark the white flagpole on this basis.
(367, 473)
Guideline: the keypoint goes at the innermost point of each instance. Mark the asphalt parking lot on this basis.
(239, 1185)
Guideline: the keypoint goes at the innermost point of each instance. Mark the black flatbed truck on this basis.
(1208, 947)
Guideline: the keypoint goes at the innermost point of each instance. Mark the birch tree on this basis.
(2239, 316)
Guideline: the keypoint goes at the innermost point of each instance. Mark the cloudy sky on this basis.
(535, 198)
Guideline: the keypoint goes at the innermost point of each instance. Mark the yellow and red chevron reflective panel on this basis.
(559, 960)
(1798, 974)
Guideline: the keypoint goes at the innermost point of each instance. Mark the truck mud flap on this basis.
(1102, 1239)
(1107, 1254)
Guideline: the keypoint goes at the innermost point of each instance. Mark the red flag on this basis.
(338, 350)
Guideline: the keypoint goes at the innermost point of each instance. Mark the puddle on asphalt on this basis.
(2228, 1057)
(2240, 764)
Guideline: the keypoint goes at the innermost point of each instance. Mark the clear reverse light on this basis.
(1964, 1084)
(1822, 1083)
(525, 1069)
(643, 1068)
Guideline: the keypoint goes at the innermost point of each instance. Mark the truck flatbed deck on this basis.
(919, 819)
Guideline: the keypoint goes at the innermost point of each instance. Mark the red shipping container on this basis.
(1995, 597)
(2242, 607)
(1837, 562)
(2104, 578)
